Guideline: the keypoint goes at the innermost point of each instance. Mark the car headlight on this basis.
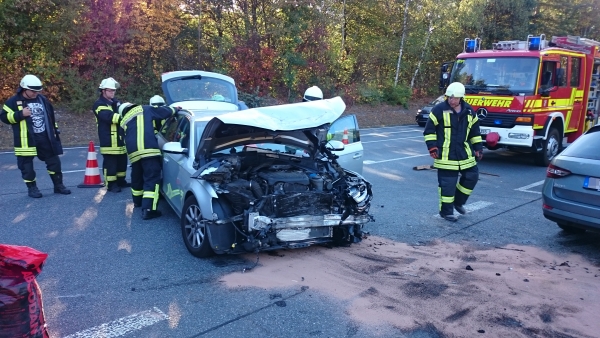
(419, 111)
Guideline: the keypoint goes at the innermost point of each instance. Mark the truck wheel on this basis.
(550, 148)
(195, 230)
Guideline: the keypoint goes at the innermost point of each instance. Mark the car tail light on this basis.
(556, 172)
(546, 206)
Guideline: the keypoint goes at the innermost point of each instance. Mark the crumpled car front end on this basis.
(275, 181)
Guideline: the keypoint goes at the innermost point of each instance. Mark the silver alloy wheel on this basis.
(552, 148)
(195, 227)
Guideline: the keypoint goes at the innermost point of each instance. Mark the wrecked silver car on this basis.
(267, 178)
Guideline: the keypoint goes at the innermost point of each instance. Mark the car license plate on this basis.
(425, 116)
(592, 183)
(483, 131)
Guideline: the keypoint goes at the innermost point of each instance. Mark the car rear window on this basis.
(586, 146)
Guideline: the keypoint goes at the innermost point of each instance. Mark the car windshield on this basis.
(500, 76)
(197, 88)
(438, 100)
(585, 146)
(267, 147)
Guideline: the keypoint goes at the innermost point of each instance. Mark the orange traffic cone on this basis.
(345, 137)
(92, 172)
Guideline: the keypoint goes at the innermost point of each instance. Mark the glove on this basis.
(177, 108)
(433, 152)
(478, 155)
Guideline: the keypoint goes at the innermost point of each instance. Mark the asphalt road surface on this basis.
(110, 274)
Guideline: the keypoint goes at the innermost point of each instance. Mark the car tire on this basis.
(550, 148)
(570, 229)
(421, 124)
(195, 230)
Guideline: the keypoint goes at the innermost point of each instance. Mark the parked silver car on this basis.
(265, 178)
(571, 192)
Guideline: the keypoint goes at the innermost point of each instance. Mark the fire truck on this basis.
(535, 96)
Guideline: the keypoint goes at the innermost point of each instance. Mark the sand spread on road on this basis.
(509, 291)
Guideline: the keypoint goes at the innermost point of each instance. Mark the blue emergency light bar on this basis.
(471, 45)
(536, 42)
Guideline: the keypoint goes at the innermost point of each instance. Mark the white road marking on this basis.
(391, 139)
(404, 126)
(471, 207)
(527, 187)
(393, 159)
(73, 171)
(123, 325)
(12, 152)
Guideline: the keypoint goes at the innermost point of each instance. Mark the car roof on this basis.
(181, 73)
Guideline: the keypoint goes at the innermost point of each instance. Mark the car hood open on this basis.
(302, 124)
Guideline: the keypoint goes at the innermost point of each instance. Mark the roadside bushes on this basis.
(371, 93)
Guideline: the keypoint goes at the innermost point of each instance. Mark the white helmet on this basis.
(157, 100)
(312, 94)
(455, 89)
(31, 82)
(109, 83)
(124, 106)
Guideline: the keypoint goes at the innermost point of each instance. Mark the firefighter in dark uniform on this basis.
(110, 134)
(454, 142)
(35, 134)
(157, 101)
(144, 154)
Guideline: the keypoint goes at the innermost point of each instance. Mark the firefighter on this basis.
(157, 101)
(112, 146)
(35, 134)
(144, 154)
(454, 142)
(313, 93)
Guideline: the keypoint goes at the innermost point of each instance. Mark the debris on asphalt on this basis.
(469, 268)
(497, 273)
(525, 280)
(481, 331)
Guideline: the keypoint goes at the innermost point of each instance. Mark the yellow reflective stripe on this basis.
(113, 150)
(476, 139)
(440, 197)
(23, 134)
(137, 192)
(434, 119)
(113, 135)
(10, 114)
(463, 189)
(115, 118)
(29, 151)
(120, 174)
(137, 155)
(447, 199)
(155, 202)
(130, 115)
(100, 108)
(431, 137)
(447, 136)
(140, 132)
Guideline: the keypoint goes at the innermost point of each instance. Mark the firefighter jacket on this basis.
(456, 136)
(138, 125)
(110, 133)
(24, 141)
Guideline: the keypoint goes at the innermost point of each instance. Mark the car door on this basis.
(175, 129)
(345, 129)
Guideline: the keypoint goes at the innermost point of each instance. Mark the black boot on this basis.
(150, 214)
(450, 217)
(32, 190)
(59, 187)
(122, 183)
(113, 187)
(461, 209)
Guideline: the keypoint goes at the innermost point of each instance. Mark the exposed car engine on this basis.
(278, 200)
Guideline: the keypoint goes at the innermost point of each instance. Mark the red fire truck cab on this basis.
(530, 95)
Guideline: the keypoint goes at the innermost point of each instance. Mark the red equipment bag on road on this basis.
(21, 310)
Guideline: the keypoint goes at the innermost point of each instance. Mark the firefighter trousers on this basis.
(452, 193)
(145, 181)
(115, 167)
(45, 153)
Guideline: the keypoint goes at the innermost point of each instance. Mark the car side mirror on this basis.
(174, 148)
(335, 145)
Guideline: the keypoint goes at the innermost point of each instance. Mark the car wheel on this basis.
(550, 148)
(570, 229)
(421, 124)
(195, 230)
